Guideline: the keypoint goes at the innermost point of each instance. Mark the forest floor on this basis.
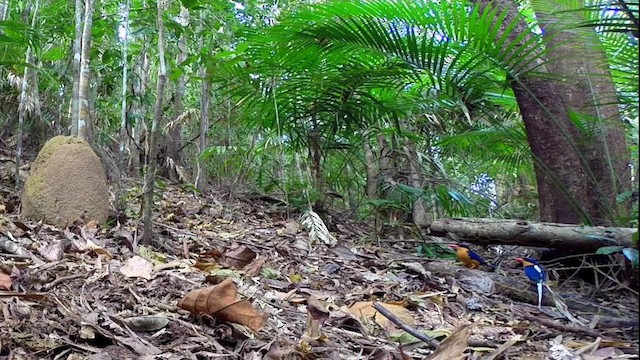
(91, 292)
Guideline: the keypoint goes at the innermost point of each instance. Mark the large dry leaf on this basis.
(364, 311)
(137, 267)
(223, 302)
(454, 346)
(239, 257)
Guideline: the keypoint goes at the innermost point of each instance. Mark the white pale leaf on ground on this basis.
(137, 267)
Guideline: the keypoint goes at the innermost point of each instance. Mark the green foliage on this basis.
(350, 72)
(630, 253)
(435, 251)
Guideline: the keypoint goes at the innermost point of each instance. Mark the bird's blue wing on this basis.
(534, 274)
(476, 257)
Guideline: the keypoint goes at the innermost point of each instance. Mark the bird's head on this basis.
(526, 261)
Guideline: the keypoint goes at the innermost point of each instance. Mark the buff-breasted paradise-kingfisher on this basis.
(536, 273)
(469, 258)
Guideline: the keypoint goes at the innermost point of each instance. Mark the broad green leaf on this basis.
(608, 250)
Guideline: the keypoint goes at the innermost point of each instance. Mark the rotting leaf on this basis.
(239, 257)
(223, 302)
(454, 346)
(137, 267)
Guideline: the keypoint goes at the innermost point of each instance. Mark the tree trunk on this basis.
(317, 174)
(174, 143)
(566, 176)
(419, 212)
(579, 60)
(77, 56)
(140, 88)
(22, 108)
(150, 175)
(201, 173)
(120, 205)
(372, 173)
(84, 86)
(205, 105)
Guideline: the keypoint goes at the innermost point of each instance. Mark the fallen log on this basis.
(524, 233)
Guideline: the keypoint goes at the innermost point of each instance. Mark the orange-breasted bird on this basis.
(536, 273)
(468, 257)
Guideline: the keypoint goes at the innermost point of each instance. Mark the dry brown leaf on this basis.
(223, 302)
(239, 257)
(253, 269)
(364, 311)
(5, 281)
(454, 346)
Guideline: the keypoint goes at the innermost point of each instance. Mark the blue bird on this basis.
(536, 273)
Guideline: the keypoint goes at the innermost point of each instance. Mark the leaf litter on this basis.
(239, 280)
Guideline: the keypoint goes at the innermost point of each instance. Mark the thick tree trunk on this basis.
(75, 65)
(84, 88)
(570, 176)
(150, 175)
(519, 232)
(580, 62)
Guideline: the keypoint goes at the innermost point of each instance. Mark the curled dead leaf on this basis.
(223, 302)
(239, 257)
